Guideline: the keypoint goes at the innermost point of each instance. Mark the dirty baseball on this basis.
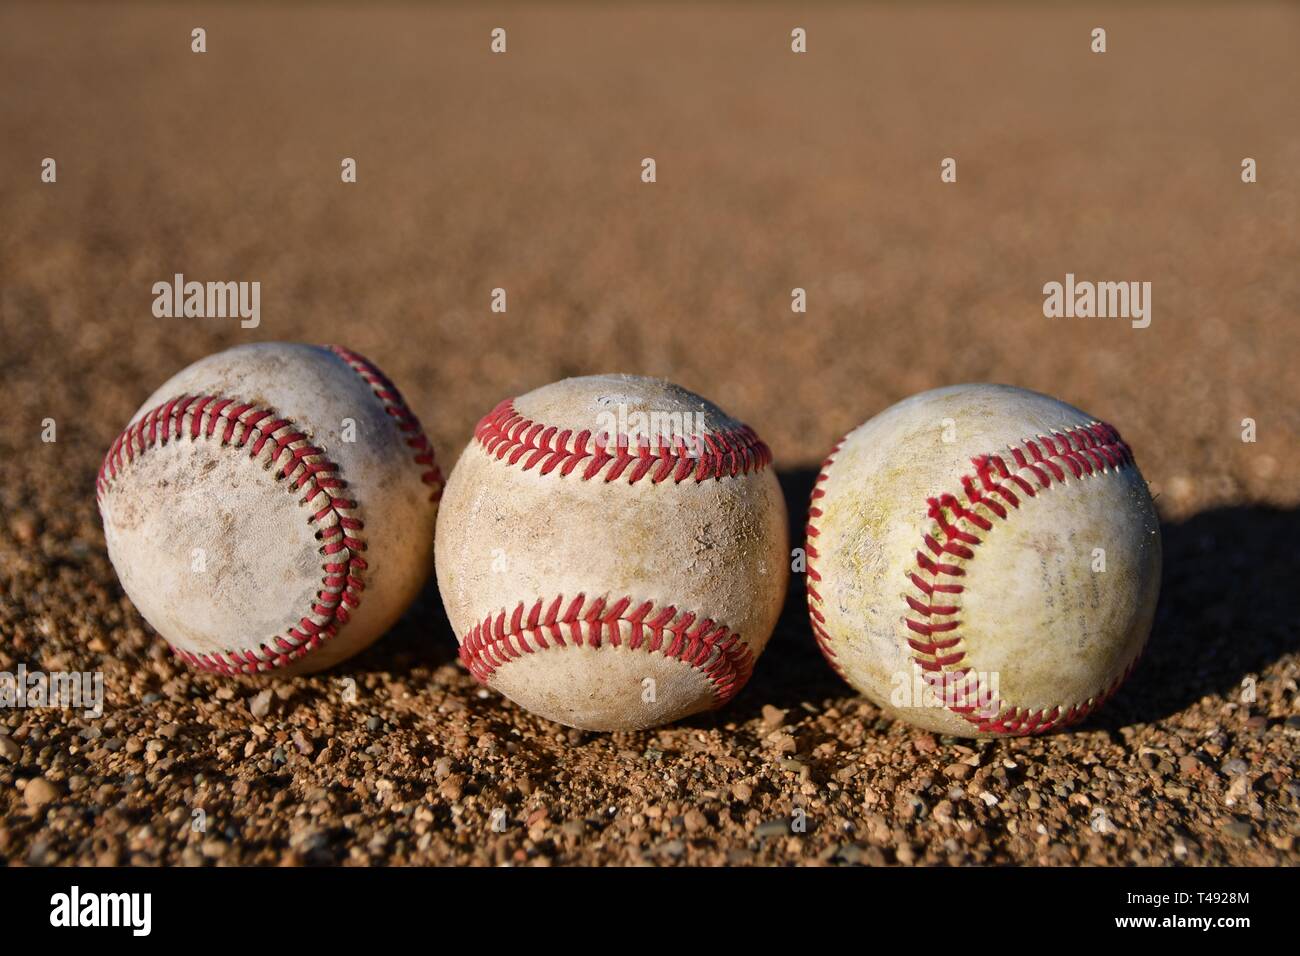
(271, 507)
(983, 560)
(612, 552)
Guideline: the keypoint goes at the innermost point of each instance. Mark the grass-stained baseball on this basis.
(983, 560)
(612, 552)
(271, 507)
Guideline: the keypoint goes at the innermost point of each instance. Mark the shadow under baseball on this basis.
(421, 638)
(791, 669)
(1226, 612)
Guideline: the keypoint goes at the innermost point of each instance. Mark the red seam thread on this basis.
(997, 489)
(395, 405)
(510, 437)
(811, 577)
(305, 469)
(702, 643)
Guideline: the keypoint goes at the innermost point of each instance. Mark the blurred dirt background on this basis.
(774, 171)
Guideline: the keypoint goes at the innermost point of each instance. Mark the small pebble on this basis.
(1238, 830)
(673, 848)
(40, 792)
(260, 704)
(773, 717)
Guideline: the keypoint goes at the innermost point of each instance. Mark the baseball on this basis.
(271, 507)
(983, 560)
(612, 551)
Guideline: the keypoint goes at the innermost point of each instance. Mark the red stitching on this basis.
(510, 437)
(304, 466)
(702, 643)
(998, 489)
(396, 406)
(811, 577)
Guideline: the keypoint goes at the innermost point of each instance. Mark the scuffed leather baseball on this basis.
(271, 507)
(991, 546)
(608, 585)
